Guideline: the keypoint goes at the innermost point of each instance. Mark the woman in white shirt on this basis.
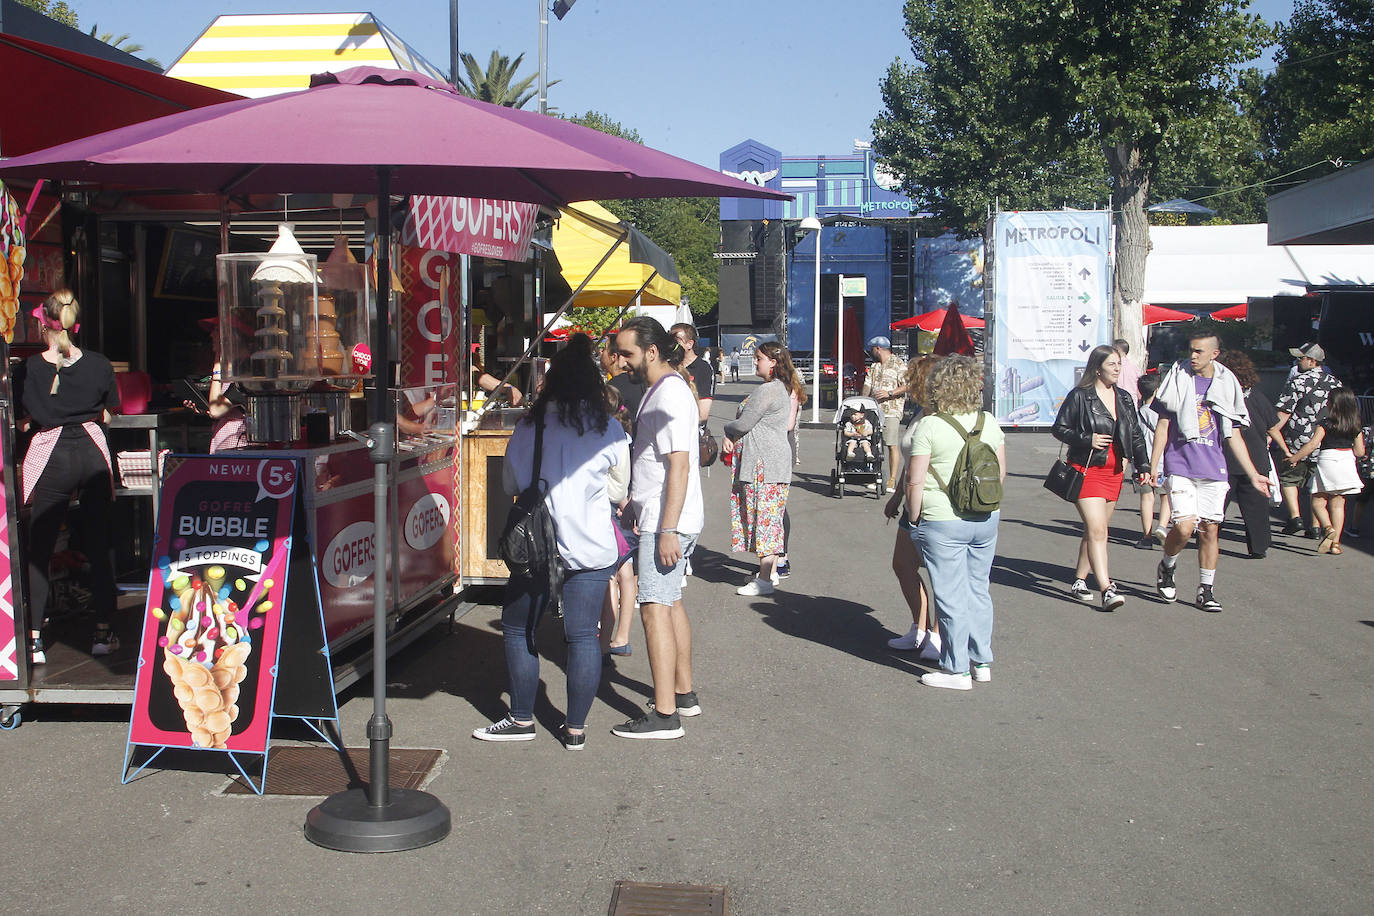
(585, 462)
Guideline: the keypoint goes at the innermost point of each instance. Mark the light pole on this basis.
(811, 224)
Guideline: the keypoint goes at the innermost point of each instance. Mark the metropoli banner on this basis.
(471, 225)
(1052, 289)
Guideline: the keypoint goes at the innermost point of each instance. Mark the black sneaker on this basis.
(651, 725)
(784, 569)
(1206, 601)
(573, 742)
(1080, 591)
(505, 730)
(1111, 598)
(38, 655)
(1293, 526)
(687, 704)
(1164, 582)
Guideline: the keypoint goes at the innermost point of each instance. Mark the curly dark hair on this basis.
(1241, 365)
(574, 386)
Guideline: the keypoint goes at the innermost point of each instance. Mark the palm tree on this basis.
(121, 43)
(495, 84)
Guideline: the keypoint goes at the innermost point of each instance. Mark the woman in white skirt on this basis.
(1338, 441)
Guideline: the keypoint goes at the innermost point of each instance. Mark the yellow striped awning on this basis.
(263, 55)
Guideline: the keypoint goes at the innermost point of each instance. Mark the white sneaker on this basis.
(755, 587)
(906, 643)
(775, 578)
(870, 487)
(947, 680)
(982, 673)
(930, 649)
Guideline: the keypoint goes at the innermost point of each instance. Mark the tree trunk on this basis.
(1130, 188)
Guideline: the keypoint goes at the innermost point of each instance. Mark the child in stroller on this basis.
(858, 443)
(857, 433)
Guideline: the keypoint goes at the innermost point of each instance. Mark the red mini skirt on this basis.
(1103, 482)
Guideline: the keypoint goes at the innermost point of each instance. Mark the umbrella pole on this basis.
(380, 818)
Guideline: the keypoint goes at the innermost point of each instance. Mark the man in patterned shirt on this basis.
(1302, 400)
(886, 384)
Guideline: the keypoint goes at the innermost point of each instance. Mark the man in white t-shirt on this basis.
(665, 493)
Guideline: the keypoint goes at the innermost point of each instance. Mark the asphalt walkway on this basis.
(1155, 759)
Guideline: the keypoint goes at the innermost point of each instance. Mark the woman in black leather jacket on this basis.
(1098, 422)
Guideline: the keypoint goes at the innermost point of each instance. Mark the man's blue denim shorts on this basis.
(657, 584)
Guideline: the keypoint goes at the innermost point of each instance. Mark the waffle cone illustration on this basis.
(205, 655)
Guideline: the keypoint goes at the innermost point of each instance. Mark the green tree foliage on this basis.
(59, 10)
(688, 228)
(1041, 102)
(1220, 162)
(497, 84)
(1318, 104)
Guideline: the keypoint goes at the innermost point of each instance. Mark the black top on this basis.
(1256, 435)
(86, 388)
(1331, 440)
(703, 377)
(631, 391)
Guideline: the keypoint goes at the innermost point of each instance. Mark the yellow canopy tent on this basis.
(581, 237)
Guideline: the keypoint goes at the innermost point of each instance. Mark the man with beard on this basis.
(665, 493)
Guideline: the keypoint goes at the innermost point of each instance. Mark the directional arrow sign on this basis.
(1085, 273)
(1085, 298)
(1084, 320)
(1083, 345)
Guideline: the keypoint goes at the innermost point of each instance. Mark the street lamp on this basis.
(811, 224)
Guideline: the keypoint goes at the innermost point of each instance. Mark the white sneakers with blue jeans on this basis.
(959, 555)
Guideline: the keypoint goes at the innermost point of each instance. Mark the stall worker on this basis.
(224, 403)
(69, 394)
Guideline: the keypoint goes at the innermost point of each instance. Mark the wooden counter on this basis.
(484, 507)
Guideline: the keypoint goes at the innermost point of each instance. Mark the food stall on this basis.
(238, 153)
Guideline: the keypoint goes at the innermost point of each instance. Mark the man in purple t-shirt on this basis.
(1194, 464)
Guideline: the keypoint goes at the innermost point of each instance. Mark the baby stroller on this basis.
(864, 466)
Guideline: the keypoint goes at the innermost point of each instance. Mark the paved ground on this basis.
(1157, 759)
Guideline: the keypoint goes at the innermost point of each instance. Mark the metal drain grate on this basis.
(634, 898)
(324, 771)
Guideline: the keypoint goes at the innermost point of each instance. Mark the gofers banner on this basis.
(430, 279)
(471, 225)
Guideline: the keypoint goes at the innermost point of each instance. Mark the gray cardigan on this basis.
(761, 430)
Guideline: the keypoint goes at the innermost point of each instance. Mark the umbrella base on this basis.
(346, 822)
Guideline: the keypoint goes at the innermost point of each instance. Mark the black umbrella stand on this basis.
(379, 818)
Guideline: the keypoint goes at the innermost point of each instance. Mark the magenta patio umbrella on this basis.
(332, 137)
(366, 131)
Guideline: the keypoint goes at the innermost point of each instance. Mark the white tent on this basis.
(1226, 265)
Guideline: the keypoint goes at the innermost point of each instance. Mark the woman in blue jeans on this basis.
(958, 547)
(585, 462)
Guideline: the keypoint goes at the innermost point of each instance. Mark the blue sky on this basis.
(694, 77)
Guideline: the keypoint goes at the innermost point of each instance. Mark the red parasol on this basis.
(953, 336)
(933, 321)
(1157, 314)
(1232, 313)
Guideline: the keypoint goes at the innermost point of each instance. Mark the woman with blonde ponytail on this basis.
(69, 393)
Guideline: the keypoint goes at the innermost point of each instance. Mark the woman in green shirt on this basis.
(958, 548)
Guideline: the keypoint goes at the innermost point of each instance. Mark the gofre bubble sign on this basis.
(212, 622)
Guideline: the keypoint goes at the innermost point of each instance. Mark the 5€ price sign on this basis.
(276, 479)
